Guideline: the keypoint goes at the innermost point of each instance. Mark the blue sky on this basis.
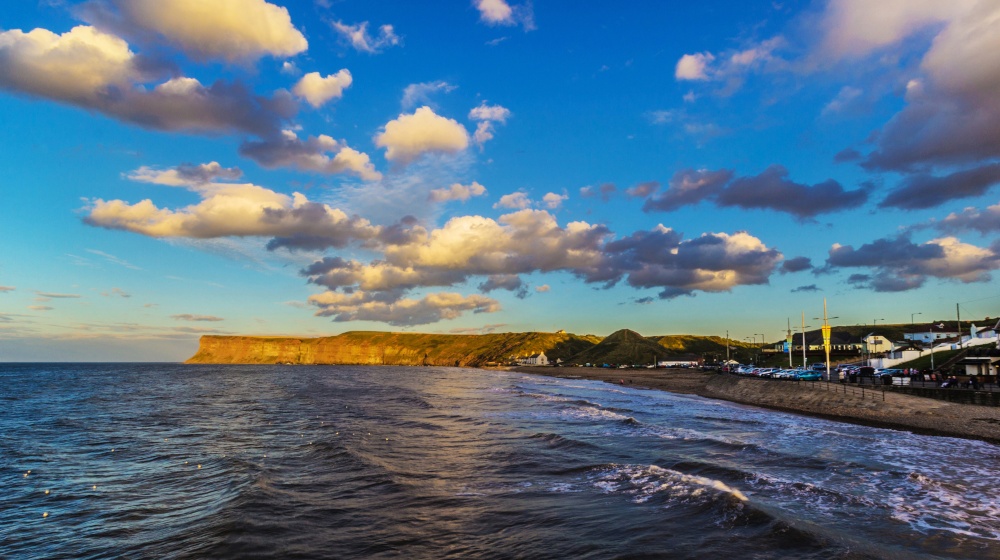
(178, 167)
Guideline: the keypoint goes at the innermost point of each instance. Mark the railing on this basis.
(872, 389)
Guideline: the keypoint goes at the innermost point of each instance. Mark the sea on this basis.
(229, 461)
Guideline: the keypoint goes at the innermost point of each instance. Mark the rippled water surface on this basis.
(175, 461)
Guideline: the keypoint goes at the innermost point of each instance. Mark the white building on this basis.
(534, 360)
(930, 336)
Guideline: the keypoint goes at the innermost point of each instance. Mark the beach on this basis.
(819, 399)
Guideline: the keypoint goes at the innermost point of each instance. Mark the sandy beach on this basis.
(873, 408)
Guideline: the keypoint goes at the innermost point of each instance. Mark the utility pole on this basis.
(958, 315)
(788, 340)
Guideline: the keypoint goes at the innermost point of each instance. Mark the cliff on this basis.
(388, 348)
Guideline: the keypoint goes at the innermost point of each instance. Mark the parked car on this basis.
(809, 376)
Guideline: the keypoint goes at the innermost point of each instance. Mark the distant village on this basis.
(882, 347)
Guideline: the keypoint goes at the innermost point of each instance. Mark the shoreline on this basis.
(897, 412)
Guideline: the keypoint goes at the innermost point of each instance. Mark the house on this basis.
(533, 360)
(934, 335)
(687, 360)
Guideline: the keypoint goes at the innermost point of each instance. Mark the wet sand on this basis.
(820, 399)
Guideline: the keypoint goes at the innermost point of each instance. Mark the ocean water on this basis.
(177, 461)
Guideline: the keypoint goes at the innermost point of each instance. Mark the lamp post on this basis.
(752, 342)
(804, 327)
(911, 317)
(760, 349)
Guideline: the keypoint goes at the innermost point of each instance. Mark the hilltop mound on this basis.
(623, 347)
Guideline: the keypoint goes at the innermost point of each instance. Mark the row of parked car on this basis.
(779, 373)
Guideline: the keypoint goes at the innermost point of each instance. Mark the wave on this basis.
(557, 441)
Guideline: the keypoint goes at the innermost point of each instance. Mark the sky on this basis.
(174, 168)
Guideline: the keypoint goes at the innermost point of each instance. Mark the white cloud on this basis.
(411, 135)
(185, 175)
(517, 200)
(553, 200)
(312, 154)
(4, 289)
(361, 306)
(97, 71)
(858, 27)
(693, 66)
(457, 191)
(419, 94)
(317, 90)
(487, 115)
(486, 112)
(232, 30)
(499, 12)
(237, 210)
(358, 37)
(77, 66)
(845, 98)
(543, 288)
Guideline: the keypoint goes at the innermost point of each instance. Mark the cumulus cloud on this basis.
(714, 262)
(358, 37)
(97, 71)
(773, 191)
(361, 306)
(517, 200)
(499, 12)
(487, 115)
(688, 186)
(927, 191)
(952, 115)
(457, 191)
(231, 30)
(898, 264)
(409, 136)
(553, 200)
(420, 93)
(530, 241)
(853, 28)
(321, 154)
(317, 90)
(693, 66)
(985, 221)
(729, 66)
(509, 282)
(237, 210)
(190, 317)
(797, 264)
(185, 175)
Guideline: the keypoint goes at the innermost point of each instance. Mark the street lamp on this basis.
(760, 349)
(826, 338)
(804, 327)
(911, 317)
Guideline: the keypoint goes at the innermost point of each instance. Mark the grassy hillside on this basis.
(623, 347)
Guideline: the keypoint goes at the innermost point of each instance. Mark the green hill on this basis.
(623, 347)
